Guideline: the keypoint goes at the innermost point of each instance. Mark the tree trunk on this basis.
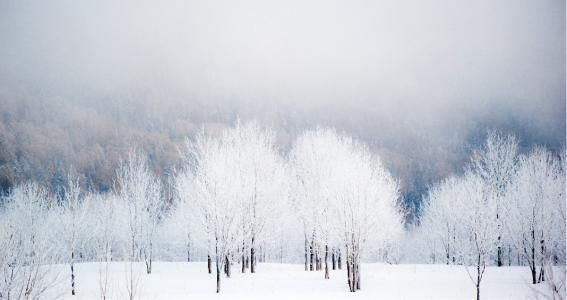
(532, 263)
(478, 279)
(149, 261)
(306, 255)
(499, 262)
(541, 273)
(217, 263)
(252, 257)
(243, 258)
(218, 277)
(339, 261)
(357, 275)
(312, 256)
(209, 264)
(326, 263)
(534, 274)
(227, 266)
(72, 272)
(349, 276)
(333, 259)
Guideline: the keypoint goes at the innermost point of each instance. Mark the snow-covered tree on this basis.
(478, 230)
(536, 219)
(262, 175)
(216, 186)
(73, 214)
(342, 193)
(106, 224)
(312, 164)
(365, 206)
(28, 245)
(141, 192)
(441, 217)
(495, 163)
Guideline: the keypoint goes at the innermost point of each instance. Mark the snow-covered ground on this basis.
(287, 281)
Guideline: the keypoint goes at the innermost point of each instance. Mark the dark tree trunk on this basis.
(349, 276)
(149, 261)
(73, 273)
(478, 279)
(499, 252)
(326, 263)
(218, 276)
(209, 264)
(312, 256)
(532, 263)
(339, 261)
(243, 258)
(252, 257)
(227, 266)
(499, 262)
(541, 270)
(333, 259)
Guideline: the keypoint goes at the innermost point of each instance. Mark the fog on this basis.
(419, 80)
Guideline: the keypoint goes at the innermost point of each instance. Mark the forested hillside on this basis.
(43, 137)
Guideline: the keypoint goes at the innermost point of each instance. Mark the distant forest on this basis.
(43, 136)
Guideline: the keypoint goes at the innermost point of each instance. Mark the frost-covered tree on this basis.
(495, 163)
(216, 184)
(478, 230)
(28, 248)
(261, 176)
(441, 217)
(536, 219)
(72, 215)
(365, 207)
(235, 180)
(312, 165)
(141, 193)
(106, 223)
(342, 192)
